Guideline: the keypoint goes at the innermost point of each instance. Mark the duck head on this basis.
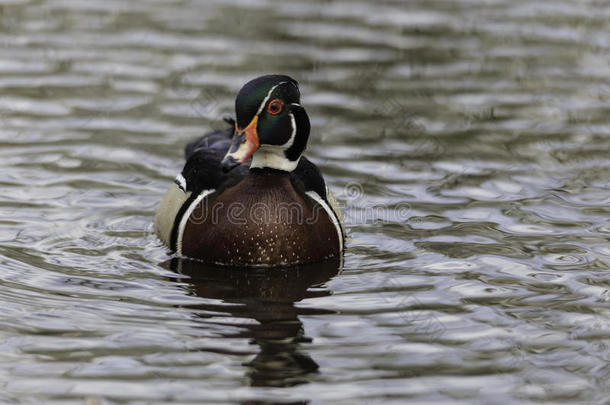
(271, 126)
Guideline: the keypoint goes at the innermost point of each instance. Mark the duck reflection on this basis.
(267, 296)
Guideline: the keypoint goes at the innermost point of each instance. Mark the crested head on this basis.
(271, 125)
(250, 99)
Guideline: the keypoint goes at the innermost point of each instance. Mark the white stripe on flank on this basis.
(316, 197)
(260, 107)
(186, 216)
(181, 181)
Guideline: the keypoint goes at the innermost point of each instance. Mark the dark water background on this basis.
(468, 142)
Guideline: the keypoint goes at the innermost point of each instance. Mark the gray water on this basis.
(467, 141)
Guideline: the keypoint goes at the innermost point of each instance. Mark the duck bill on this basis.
(244, 144)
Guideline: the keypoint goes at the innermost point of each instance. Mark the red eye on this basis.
(275, 107)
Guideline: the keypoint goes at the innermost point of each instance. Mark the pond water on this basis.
(467, 141)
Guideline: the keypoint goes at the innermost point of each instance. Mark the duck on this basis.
(247, 196)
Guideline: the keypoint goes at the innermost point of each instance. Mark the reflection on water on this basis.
(267, 297)
(467, 141)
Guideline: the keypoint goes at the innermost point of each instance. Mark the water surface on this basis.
(467, 142)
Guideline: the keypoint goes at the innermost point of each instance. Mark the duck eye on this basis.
(275, 107)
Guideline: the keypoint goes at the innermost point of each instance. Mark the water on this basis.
(467, 142)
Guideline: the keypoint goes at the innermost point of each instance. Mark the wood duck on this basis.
(247, 196)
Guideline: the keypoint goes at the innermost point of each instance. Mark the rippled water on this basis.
(468, 142)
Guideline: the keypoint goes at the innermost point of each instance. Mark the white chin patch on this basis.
(273, 158)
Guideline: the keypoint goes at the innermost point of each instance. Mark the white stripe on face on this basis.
(293, 123)
(262, 105)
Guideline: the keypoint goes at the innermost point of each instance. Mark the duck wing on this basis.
(202, 170)
(215, 140)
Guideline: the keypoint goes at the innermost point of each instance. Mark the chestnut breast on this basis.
(263, 221)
